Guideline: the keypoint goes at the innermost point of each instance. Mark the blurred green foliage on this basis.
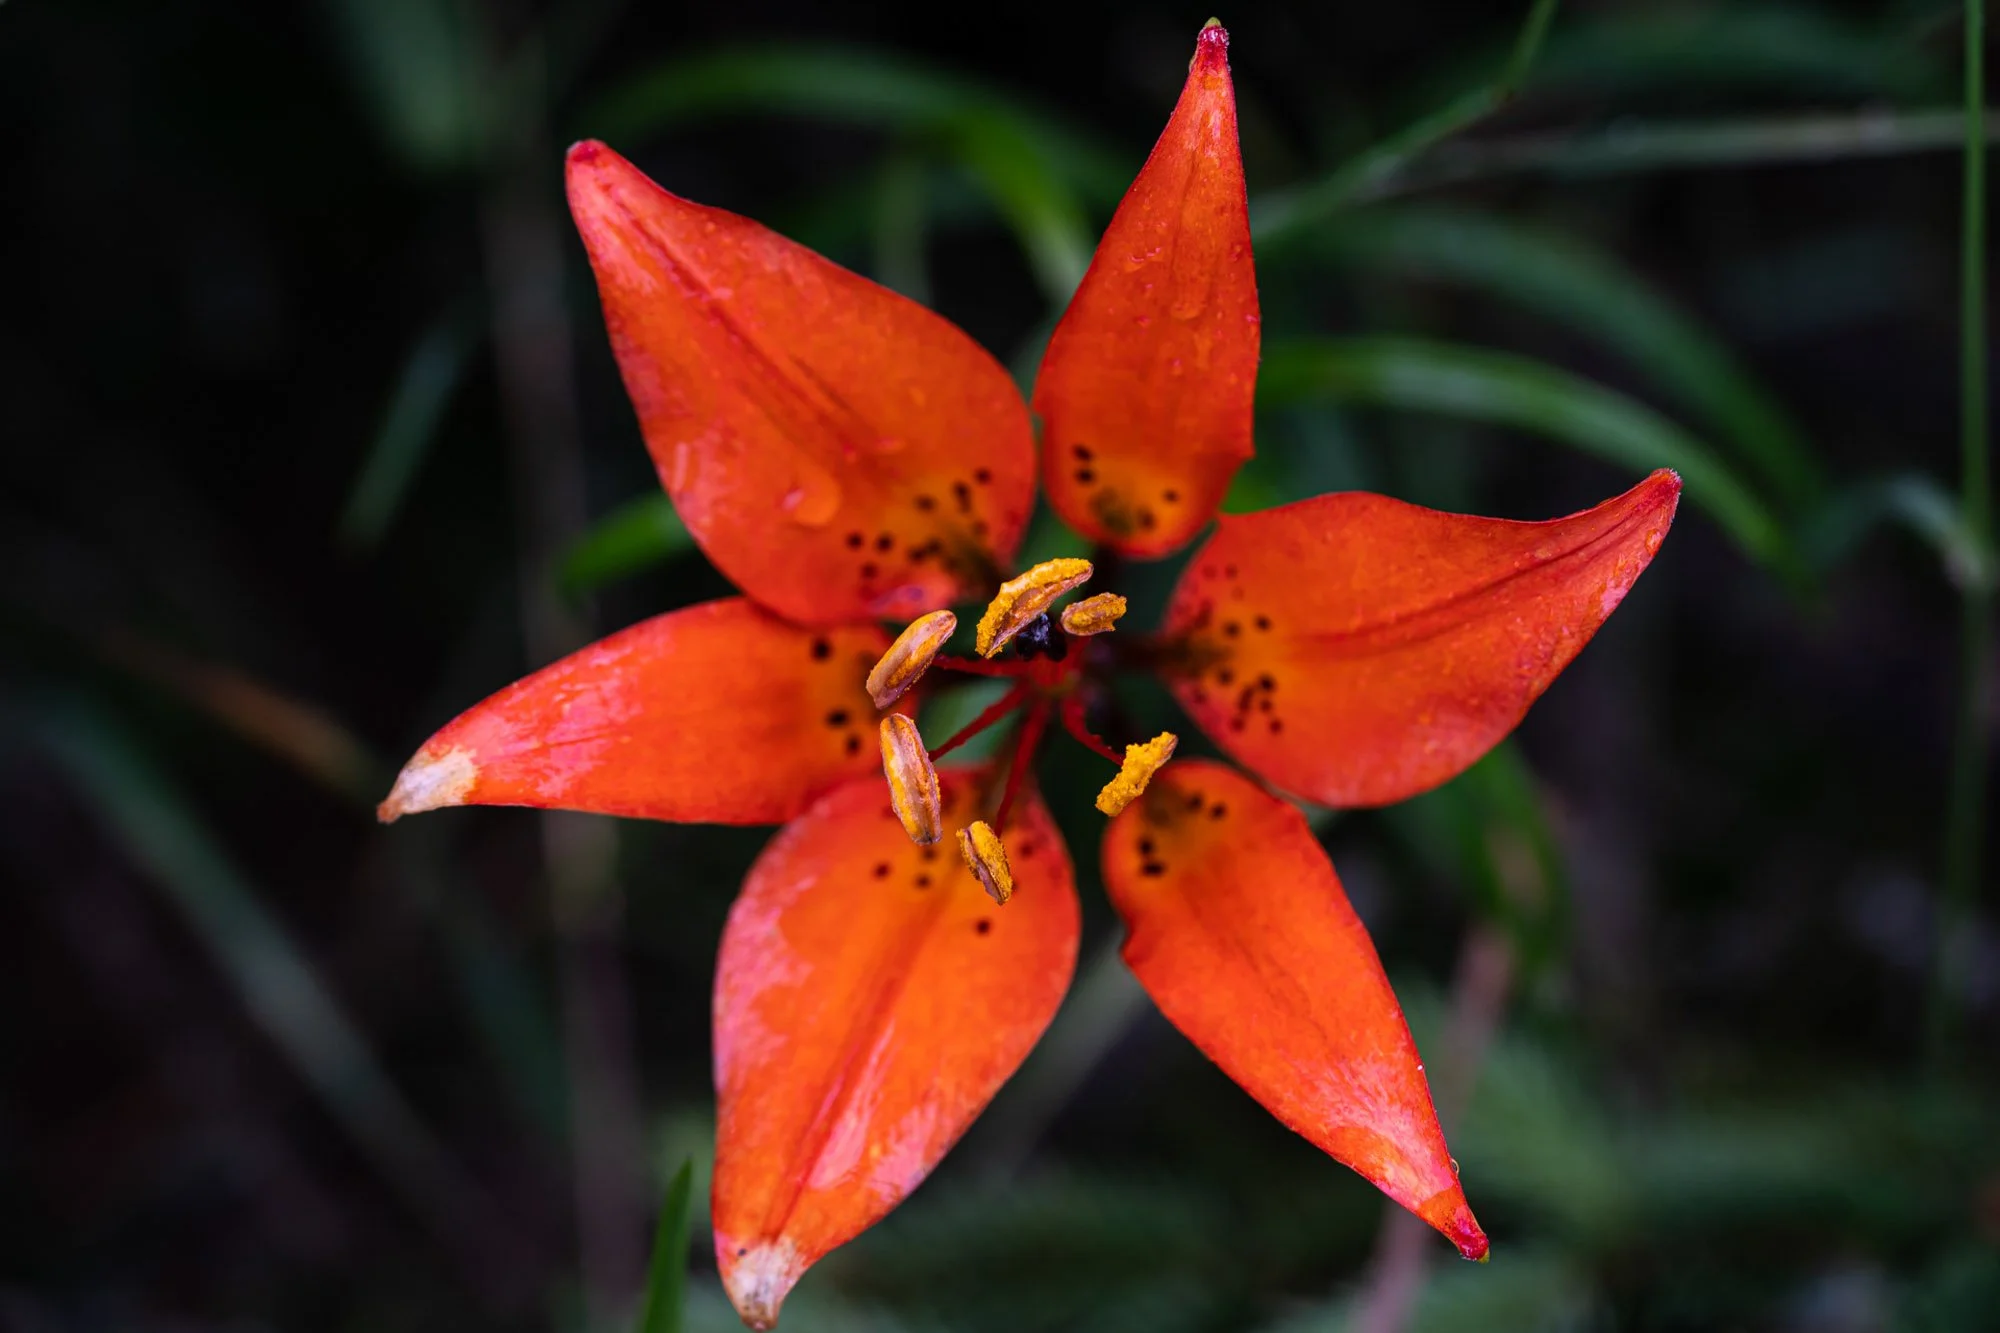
(1505, 255)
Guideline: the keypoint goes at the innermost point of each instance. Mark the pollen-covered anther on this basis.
(910, 656)
(1093, 615)
(986, 858)
(913, 780)
(1142, 760)
(1024, 597)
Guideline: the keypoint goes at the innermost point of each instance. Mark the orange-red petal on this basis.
(869, 1002)
(718, 713)
(1145, 393)
(1239, 930)
(1357, 650)
(838, 451)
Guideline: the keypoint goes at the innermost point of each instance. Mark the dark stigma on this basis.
(1041, 639)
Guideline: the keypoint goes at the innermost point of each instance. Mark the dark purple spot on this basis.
(926, 503)
(982, 925)
(1263, 622)
(837, 718)
(1085, 476)
(1080, 452)
(885, 542)
(1218, 810)
(854, 541)
(869, 570)
(1171, 496)
(821, 650)
(963, 494)
(1153, 868)
(923, 881)
(881, 870)
(984, 476)
(854, 747)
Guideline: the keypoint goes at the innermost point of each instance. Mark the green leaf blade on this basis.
(666, 1274)
(1499, 389)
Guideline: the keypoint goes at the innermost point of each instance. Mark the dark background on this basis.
(283, 291)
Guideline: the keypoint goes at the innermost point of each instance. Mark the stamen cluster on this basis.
(1048, 678)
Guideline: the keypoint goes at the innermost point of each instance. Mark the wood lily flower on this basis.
(848, 458)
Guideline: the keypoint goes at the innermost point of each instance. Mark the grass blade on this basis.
(269, 972)
(422, 67)
(666, 1275)
(1277, 218)
(1585, 289)
(1910, 501)
(1637, 147)
(637, 535)
(1037, 171)
(1965, 823)
(429, 378)
(1493, 387)
(1809, 51)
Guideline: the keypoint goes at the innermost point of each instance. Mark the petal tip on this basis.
(1211, 46)
(593, 172)
(758, 1279)
(1448, 1211)
(430, 780)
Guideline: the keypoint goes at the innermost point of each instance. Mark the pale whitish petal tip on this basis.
(760, 1279)
(429, 781)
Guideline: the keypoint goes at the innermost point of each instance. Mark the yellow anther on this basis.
(1024, 597)
(987, 860)
(1093, 615)
(913, 780)
(909, 657)
(1142, 760)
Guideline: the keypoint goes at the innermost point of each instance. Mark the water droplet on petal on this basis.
(680, 476)
(814, 497)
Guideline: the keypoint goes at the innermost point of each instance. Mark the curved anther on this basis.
(1022, 598)
(913, 780)
(1142, 760)
(910, 656)
(1093, 615)
(986, 858)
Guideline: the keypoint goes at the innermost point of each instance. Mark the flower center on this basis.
(1050, 676)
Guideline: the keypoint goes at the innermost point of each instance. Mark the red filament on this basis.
(989, 715)
(1073, 723)
(1030, 739)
